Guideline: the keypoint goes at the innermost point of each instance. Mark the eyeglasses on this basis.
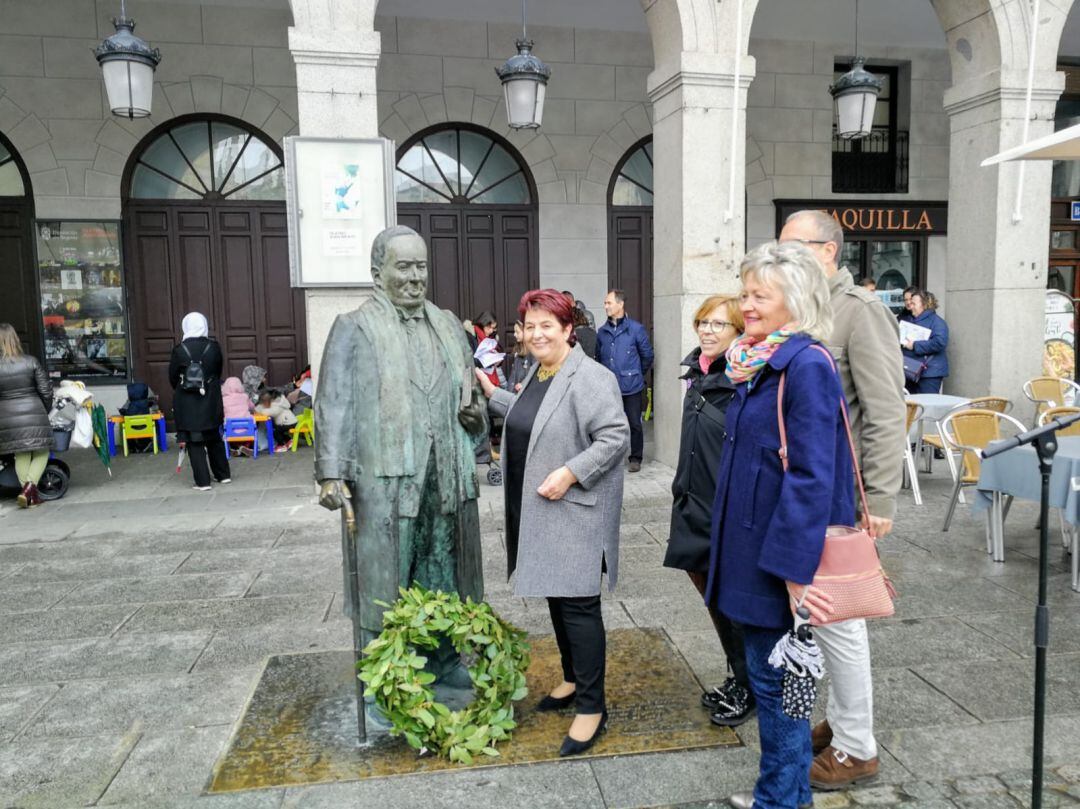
(810, 241)
(711, 326)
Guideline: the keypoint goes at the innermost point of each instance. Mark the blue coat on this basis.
(625, 350)
(931, 351)
(768, 526)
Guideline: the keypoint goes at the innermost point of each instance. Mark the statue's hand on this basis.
(472, 417)
(333, 494)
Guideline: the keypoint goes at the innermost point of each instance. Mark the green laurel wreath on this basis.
(393, 671)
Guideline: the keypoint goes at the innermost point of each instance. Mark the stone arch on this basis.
(116, 137)
(609, 148)
(696, 26)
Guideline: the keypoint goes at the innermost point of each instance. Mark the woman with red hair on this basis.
(564, 439)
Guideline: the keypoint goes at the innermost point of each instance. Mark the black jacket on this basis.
(195, 412)
(25, 400)
(694, 487)
(586, 337)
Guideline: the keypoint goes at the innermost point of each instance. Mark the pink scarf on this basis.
(748, 355)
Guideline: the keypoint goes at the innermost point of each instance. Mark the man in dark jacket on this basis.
(623, 347)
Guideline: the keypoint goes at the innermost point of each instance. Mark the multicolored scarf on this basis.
(748, 355)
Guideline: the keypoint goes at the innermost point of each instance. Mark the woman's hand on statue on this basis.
(485, 383)
(556, 484)
(818, 602)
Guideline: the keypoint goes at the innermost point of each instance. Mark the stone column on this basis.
(698, 241)
(997, 266)
(336, 51)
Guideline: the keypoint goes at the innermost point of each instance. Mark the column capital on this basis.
(704, 71)
(335, 48)
(1003, 87)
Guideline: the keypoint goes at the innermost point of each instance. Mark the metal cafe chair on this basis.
(968, 432)
(914, 413)
(1051, 391)
(930, 442)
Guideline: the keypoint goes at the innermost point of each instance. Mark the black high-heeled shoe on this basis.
(550, 703)
(572, 747)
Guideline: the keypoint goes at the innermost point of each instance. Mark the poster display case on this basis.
(80, 278)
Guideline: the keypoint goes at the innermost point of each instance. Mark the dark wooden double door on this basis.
(481, 258)
(229, 261)
(19, 304)
(630, 259)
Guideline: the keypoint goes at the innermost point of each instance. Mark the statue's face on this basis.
(404, 274)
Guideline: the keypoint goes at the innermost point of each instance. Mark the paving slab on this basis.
(904, 700)
(23, 597)
(671, 612)
(92, 707)
(634, 781)
(69, 549)
(52, 773)
(323, 579)
(123, 567)
(166, 764)
(61, 624)
(983, 749)
(175, 542)
(254, 799)
(18, 705)
(149, 526)
(927, 595)
(133, 655)
(908, 642)
(233, 648)
(214, 614)
(566, 785)
(1016, 629)
(1002, 689)
(193, 586)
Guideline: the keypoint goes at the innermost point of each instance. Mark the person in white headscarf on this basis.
(198, 410)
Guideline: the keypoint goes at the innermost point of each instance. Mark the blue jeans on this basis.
(927, 384)
(784, 777)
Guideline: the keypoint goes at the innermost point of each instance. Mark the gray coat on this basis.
(581, 425)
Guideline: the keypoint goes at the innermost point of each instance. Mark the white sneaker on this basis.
(225, 480)
(201, 488)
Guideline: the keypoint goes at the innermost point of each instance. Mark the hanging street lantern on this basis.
(855, 94)
(127, 65)
(524, 79)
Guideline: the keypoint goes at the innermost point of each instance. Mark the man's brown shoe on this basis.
(820, 736)
(835, 769)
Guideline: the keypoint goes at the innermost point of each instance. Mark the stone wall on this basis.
(434, 71)
(230, 60)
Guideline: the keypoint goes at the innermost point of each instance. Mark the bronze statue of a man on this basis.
(398, 414)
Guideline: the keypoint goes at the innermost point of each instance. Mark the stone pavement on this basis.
(136, 615)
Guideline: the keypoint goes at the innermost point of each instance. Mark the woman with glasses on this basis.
(717, 323)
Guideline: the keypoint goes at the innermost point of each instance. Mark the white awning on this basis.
(1061, 145)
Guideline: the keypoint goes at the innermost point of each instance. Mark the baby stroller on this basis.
(485, 456)
(57, 475)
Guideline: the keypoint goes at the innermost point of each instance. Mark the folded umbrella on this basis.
(803, 664)
(101, 436)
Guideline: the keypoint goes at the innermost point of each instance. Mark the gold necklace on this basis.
(543, 374)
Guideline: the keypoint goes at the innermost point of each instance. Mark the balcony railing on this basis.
(876, 164)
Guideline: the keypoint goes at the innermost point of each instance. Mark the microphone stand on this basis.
(1044, 439)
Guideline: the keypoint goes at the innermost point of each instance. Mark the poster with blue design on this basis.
(342, 193)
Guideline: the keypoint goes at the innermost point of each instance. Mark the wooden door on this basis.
(630, 259)
(19, 305)
(480, 258)
(229, 261)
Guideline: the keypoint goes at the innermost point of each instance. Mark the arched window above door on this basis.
(460, 165)
(632, 183)
(208, 160)
(11, 181)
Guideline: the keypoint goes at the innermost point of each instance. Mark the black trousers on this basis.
(632, 407)
(579, 632)
(198, 451)
(729, 632)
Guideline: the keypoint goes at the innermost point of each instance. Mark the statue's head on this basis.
(399, 266)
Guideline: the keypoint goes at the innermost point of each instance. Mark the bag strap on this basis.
(847, 429)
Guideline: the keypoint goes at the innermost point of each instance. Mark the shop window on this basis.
(82, 301)
(893, 264)
(460, 166)
(878, 163)
(208, 160)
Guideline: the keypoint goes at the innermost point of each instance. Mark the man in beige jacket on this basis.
(866, 344)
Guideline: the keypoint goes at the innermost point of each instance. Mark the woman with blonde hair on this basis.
(25, 400)
(783, 478)
(717, 322)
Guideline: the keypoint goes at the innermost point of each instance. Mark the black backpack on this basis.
(193, 377)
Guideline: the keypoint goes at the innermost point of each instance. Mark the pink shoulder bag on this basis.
(850, 569)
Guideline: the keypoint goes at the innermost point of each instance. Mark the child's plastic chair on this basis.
(138, 427)
(242, 431)
(305, 426)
